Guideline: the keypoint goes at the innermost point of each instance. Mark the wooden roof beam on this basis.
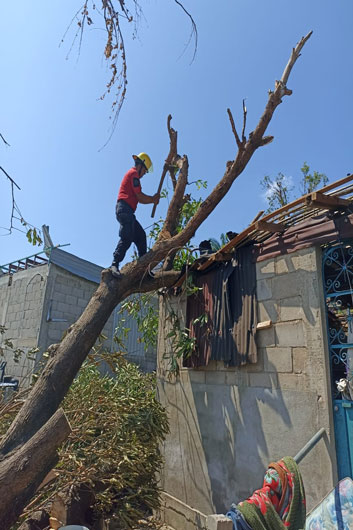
(267, 226)
(325, 202)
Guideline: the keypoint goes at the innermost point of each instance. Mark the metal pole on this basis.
(307, 447)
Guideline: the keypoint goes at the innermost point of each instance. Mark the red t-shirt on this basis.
(130, 185)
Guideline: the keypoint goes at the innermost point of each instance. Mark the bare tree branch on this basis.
(173, 136)
(237, 139)
(175, 205)
(11, 179)
(294, 56)
(193, 29)
(244, 122)
(3, 139)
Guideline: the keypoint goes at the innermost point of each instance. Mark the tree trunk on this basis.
(22, 471)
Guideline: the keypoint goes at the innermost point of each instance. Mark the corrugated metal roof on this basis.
(80, 267)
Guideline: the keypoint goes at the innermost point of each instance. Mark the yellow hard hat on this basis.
(146, 161)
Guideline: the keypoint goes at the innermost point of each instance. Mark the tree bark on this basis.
(22, 471)
(69, 355)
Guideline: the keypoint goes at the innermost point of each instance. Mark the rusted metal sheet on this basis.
(315, 231)
(227, 297)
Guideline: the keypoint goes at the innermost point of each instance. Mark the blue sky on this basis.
(51, 115)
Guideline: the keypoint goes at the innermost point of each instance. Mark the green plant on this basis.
(117, 426)
(311, 182)
(143, 309)
(278, 190)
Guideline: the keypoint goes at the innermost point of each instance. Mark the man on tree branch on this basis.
(130, 194)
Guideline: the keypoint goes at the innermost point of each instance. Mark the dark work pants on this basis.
(130, 232)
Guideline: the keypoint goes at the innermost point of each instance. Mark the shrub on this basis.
(117, 425)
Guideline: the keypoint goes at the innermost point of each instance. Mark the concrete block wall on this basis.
(21, 304)
(67, 295)
(228, 424)
(39, 304)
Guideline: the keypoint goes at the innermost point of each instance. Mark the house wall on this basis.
(38, 305)
(228, 424)
(21, 303)
(67, 295)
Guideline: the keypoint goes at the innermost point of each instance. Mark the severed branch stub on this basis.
(237, 139)
(173, 137)
(243, 137)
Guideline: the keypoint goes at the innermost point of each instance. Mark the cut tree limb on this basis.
(22, 471)
(173, 138)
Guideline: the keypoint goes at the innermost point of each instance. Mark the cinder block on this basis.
(283, 265)
(288, 285)
(300, 356)
(267, 310)
(197, 376)
(28, 333)
(306, 259)
(255, 367)
(215, 378)
(218, 522)
(82, 302)
(263, 290)
(293, 382)
(291, 309)
(263, 380)
(72, 300)
(78, 292)
(278, 360)
(290, 334)
(266, 337)
(237, 378)
(265, 269)
(61, 306)
(33, 304)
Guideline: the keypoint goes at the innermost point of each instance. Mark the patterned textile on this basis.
(280, 503)
(239, 522)
(335, 512)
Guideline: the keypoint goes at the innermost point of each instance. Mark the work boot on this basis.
(115, 270)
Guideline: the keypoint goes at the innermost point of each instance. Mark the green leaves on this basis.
(34, 237)
(117, 426)
(143, 308)
(278, 190)
(311, 182)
